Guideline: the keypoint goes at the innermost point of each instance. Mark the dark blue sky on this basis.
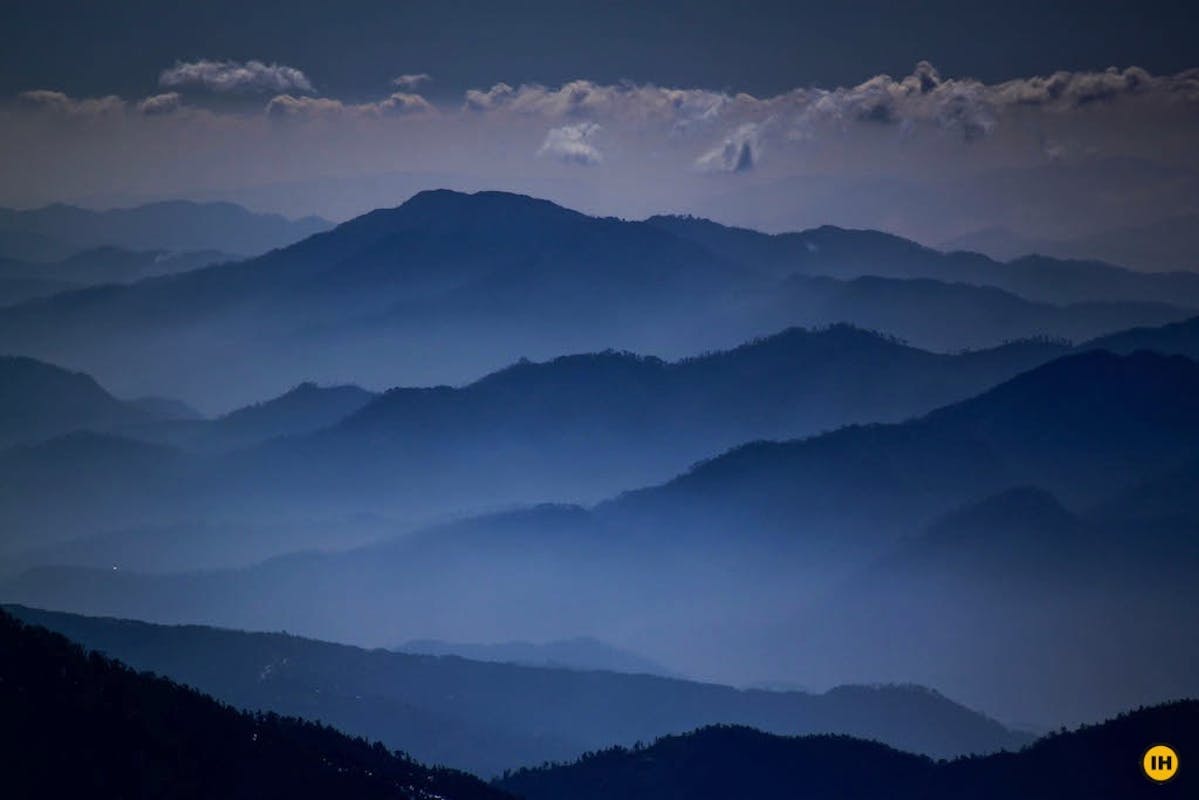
(353, 47)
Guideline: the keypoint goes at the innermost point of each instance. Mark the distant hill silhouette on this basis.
(1167, 244)
(769, 530)
(1180, 338)
(1089, 602)
(17, 289)
(847, 254)
(40, 401)
(99, 473)
(486, 716)
(578, 427)
(492, 276)
(166, 408)
(28, 280)
(581, 652)
(1091, 763)
(1171, 495)
(1081, 426)
(81, 725)
(590, 425)
(301, 410)
(58, 231)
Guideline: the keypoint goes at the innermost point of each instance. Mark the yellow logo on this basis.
(1160, 763)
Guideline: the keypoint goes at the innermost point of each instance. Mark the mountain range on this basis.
(487, 717)
(763, 537)
(483, 279)
(848, 254)
(753, 503)
(578, 427)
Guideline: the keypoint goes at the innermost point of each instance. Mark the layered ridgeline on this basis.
(576, 428)
(63, 248)
(57, 232)
(304, 409)
(580, 652)
(1092, 763)
(1031, 605)
(40, 401)
(449, 286)
(1167, 244)
(26, 280)
(488, 717)
(849, 254)
(80, 725)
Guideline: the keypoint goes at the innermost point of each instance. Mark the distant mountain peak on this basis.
(1018, 505)
(436, 203)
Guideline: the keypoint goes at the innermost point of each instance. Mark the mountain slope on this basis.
(1179, 338)
(81, 725)
(101, 265)
(40, 401)
(485, 716)
(1081, 426)
(302, 410)
(1087, 604)
(99, 473)
(724, 762)
(1091, 763)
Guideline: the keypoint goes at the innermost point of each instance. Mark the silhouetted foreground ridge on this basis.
(76, 724)
(716, 763)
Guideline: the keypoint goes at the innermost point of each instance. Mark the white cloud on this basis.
(629, 102)
(572, 144)
(235, 76)
(60, 103)
(659, 147)
(1073, 89)
(411, 80)
(401, 103)
(974, 109)
(493, 98)
(398, 103)
(161, 103)
(738, 152)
